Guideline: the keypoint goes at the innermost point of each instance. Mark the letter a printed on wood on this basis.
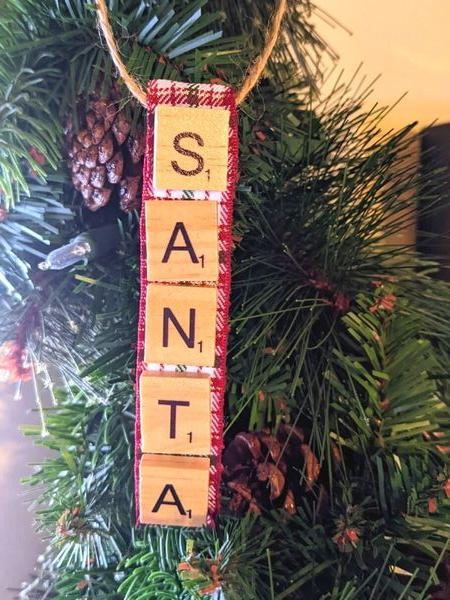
(174, 490)
(190, 173)
(182, 242)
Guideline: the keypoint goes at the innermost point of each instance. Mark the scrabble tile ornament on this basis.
(182, 242)
(175, 413)
(173, 490)
(191, 147)
(189, 180)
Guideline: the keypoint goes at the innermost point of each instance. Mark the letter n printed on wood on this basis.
(180, 324)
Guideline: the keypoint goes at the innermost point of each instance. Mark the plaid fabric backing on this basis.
(193, 95)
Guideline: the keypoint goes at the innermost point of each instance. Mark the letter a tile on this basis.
(181, 240)
(180, 325)
(175, 413)
(191, 148)
(173, 490)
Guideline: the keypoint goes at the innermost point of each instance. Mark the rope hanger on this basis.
(254, 72)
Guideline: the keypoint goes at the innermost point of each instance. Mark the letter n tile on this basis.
(180, 325)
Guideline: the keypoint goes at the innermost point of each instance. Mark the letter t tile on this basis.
(175, 414)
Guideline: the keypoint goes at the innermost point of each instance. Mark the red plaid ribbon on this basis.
(194, 95)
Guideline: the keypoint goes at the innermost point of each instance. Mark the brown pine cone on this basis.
(265, 471)
(129, 193)
(105, 158)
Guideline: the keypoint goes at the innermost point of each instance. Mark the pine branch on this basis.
(26, 232)
(299, 51)
(28, 120)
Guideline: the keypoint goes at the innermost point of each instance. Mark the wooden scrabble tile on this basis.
(191, 148)
(175, 413)
(181, 240)
(180, 324)
(173, 490)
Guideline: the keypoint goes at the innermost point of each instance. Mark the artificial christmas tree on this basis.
(339, 344)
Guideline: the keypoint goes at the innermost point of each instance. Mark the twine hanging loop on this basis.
(253, 74)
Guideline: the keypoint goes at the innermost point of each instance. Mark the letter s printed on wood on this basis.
(191, 148)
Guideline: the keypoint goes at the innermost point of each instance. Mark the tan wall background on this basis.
(404, 42)
(407, 42)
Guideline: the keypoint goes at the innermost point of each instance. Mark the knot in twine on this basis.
(253, 74)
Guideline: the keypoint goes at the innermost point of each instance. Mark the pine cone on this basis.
(105, 159)
(265, 471)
